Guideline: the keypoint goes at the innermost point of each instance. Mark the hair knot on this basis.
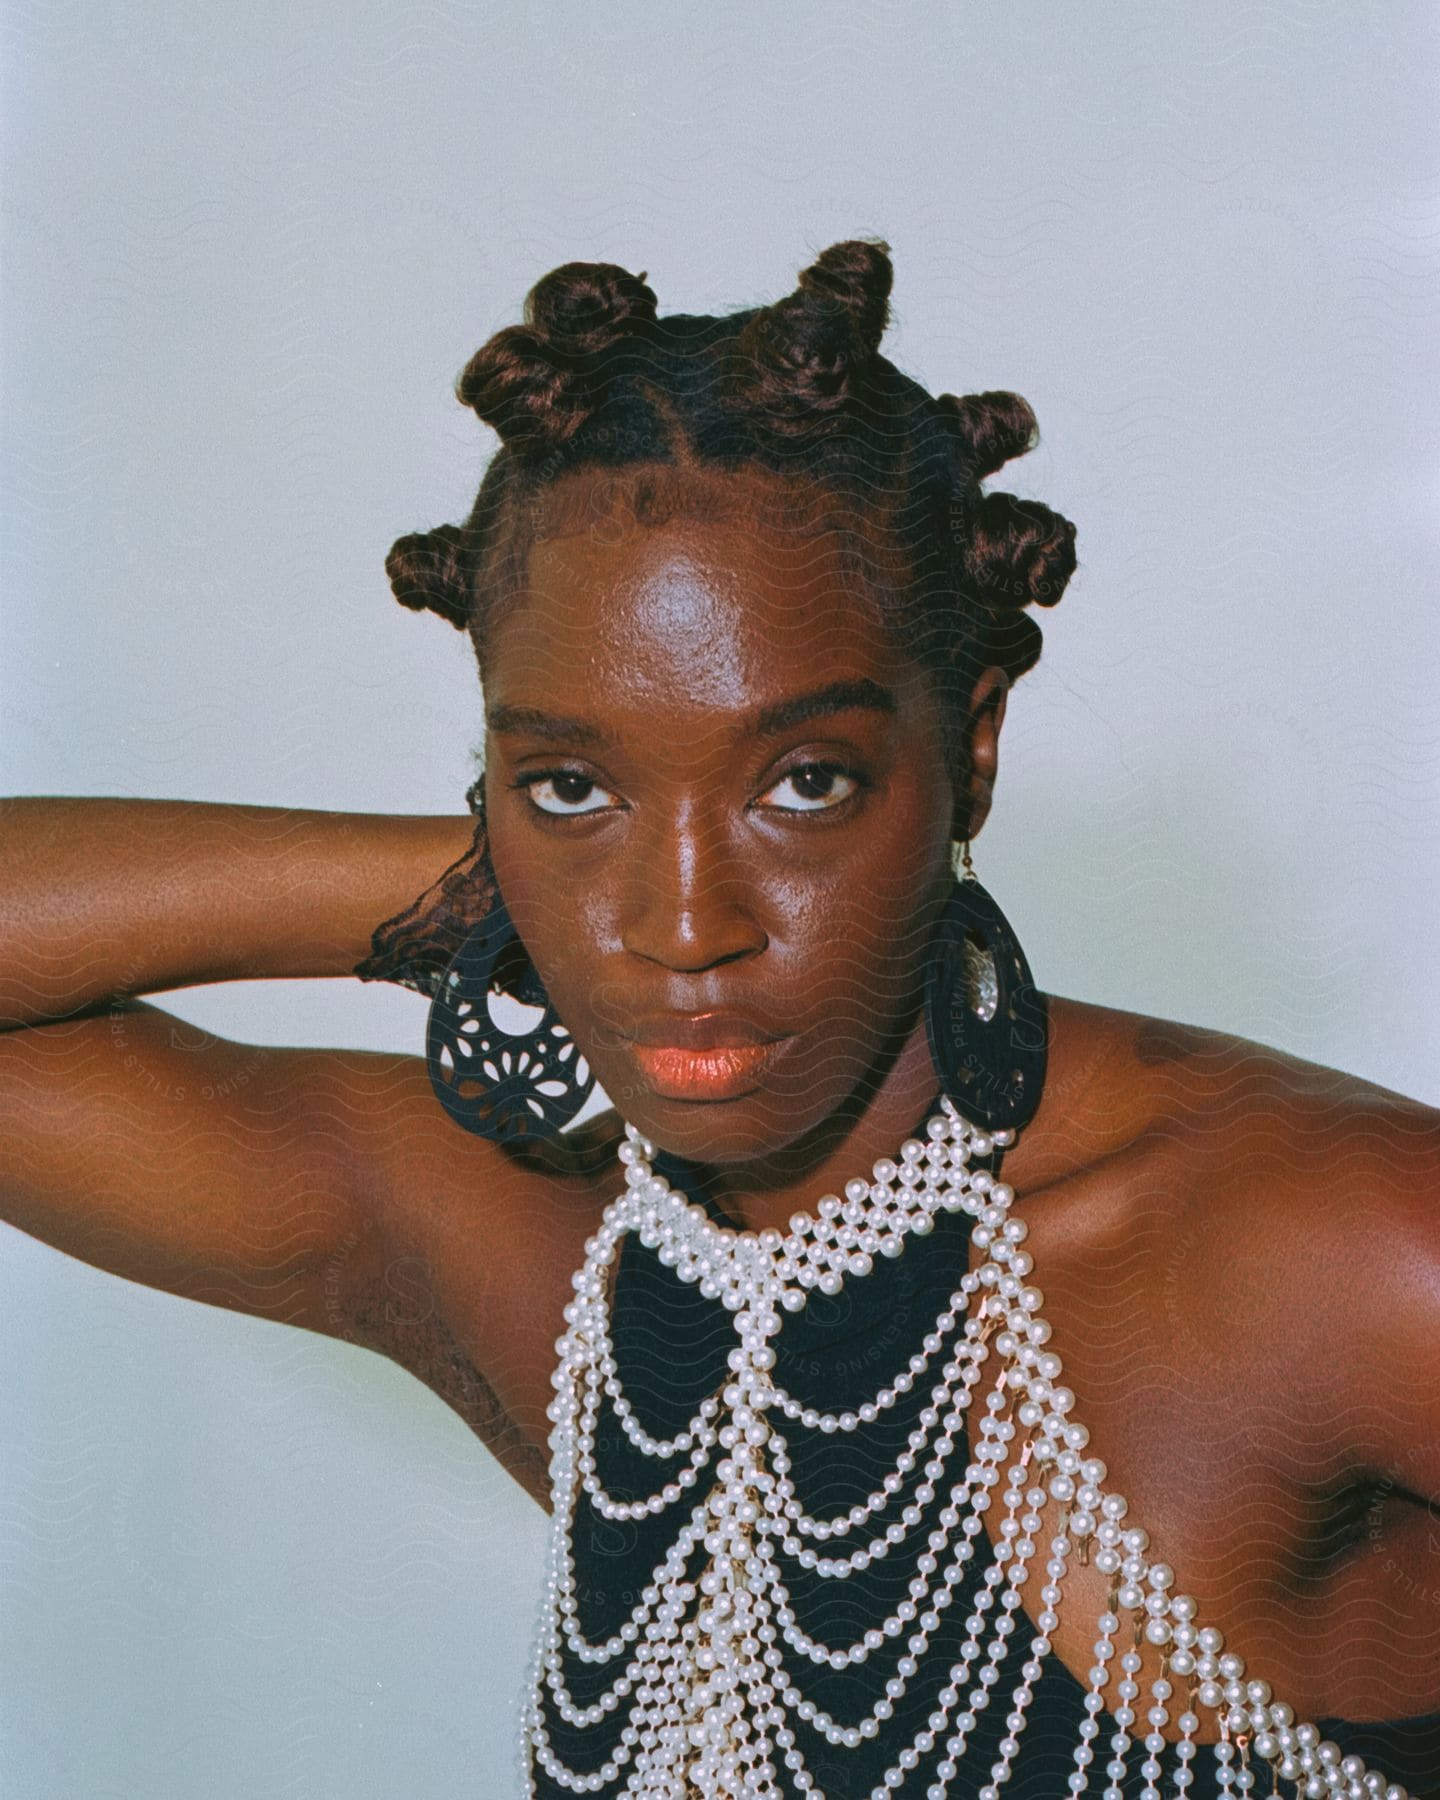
(430, 572)
(802, 360)
(1019, 552)
(537, 383)
(581, 308)
(991, 427)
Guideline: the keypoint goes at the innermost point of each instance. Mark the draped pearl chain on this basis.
(708, 1701)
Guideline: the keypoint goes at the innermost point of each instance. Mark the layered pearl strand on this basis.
(708, 1699)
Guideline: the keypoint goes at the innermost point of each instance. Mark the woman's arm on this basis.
(102, 897)
(237, 1174)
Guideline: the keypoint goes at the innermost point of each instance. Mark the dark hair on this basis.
(594, 379)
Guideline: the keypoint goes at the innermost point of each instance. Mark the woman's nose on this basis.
(688, 902)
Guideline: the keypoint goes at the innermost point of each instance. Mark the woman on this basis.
(846, 1500)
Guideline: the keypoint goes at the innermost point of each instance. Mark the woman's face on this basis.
(715, 786)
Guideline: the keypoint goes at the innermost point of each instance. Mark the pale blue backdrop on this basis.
(246, 251)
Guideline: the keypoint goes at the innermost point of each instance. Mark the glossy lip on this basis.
(718, 1030)
(674, 1072)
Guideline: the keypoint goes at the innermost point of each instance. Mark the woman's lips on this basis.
(719, 1074)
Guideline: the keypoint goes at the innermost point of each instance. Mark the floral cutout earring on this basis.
(512, 1086)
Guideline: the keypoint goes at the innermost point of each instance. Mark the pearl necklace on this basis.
(709, 1699)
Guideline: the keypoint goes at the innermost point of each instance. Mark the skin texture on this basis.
(667, 874)
(702, 878)
(1239, 1251)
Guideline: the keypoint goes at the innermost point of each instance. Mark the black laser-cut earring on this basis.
(510, 1086)
(989, 1050)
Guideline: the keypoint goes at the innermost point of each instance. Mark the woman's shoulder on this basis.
(1230, 1117)
(1297, 1196)
(1126, 1074)
(1241, 1271)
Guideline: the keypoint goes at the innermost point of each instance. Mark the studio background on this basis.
(244, 259)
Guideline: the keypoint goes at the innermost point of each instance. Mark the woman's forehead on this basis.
(714, 609)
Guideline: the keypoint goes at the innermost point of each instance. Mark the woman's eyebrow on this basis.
(769, 721)
(836, 696)
(535, 723)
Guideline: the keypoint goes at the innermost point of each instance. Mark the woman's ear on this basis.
(981, 752)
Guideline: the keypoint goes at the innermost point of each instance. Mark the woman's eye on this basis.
(815, 785)
(562, 793)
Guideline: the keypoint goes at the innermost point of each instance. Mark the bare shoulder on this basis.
(1136, 1074)
(1324, 1180)
(1300, 1202)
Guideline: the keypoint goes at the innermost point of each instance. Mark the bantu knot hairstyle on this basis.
(595, 379)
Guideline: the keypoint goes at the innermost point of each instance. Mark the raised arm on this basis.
(229, 1172)
(102, 897)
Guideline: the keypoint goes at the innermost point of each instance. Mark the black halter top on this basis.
(670, 1348)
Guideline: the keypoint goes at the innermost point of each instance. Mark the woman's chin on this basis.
(740, 1128)
(721, 1110)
